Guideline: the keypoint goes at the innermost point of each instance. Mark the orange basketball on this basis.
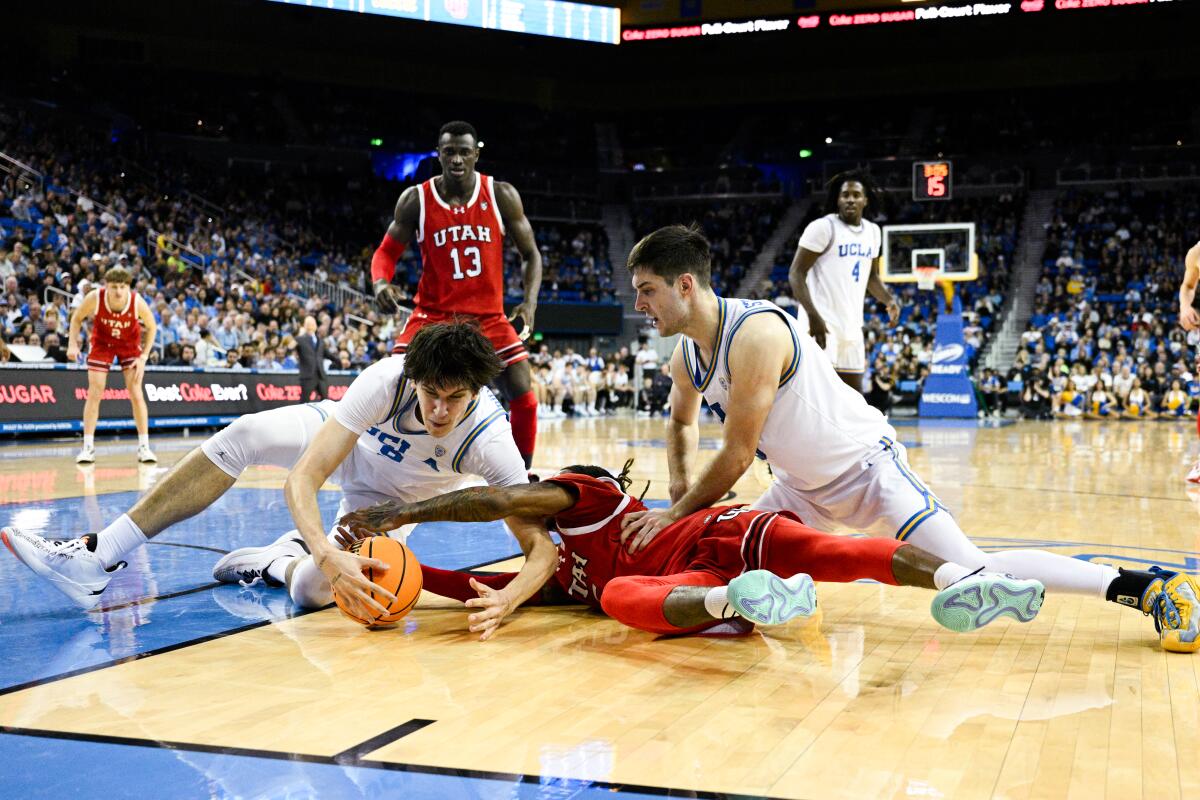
(402, 578)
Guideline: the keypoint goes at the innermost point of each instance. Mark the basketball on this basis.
(402, 578)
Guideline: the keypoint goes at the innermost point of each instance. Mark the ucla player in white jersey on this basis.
(835, 459)
(1189, 320)
(408, 427)
(836, 264)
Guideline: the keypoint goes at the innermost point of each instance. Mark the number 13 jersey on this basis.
(462, 251)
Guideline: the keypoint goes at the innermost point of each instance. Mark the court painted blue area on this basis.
(162, 771)
(43, 634)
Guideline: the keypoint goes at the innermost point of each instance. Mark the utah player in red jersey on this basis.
(460, 219)
(123, 329)
(718, 563)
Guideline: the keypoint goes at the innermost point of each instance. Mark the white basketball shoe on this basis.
(69, 566)
(1194, 475)
(146, 455)
(87, 455)
(248, 565)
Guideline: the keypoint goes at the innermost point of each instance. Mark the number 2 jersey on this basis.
(724, 541)
(462, 251)
(395, 456)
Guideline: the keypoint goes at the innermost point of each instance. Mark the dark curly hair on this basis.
(448, 355)
(623, 480)
(834, 188)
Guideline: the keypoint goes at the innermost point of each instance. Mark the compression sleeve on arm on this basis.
(383, 263)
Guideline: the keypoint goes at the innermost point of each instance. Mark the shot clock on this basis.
(931, 180)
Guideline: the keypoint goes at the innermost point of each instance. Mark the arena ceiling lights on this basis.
(579, 21)
(943, 12)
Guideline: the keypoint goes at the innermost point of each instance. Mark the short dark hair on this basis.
(671, 251)
(834, 188)
(459, 128)
(451, 354)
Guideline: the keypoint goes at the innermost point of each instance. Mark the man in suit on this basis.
(312, 362)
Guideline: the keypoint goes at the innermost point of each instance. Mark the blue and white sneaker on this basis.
(762, 596)
(984, 597)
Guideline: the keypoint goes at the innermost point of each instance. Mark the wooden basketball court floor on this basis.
(178, 687)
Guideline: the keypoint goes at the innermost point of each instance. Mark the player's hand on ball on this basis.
(388, 297)
(1189, 318)
(493, 604)
(344, 571)
(640, 527)
(347, 535)
(817, 329)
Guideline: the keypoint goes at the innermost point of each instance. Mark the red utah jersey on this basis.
(462, 252)
(724, 540)
(117, 331)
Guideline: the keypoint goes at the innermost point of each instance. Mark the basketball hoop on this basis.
(926, 277)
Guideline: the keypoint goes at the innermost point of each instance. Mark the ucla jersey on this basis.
(837, 281)
(818, 427)
(396, 456)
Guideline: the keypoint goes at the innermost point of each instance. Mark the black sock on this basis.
(1129, 586)
(90, 539)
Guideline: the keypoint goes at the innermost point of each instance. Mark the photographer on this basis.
(1035, 400)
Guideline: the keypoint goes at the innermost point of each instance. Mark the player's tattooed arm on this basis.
(516, 224)
(476, 504)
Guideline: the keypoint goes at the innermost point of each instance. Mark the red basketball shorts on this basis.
(496, 328)
(100, 357)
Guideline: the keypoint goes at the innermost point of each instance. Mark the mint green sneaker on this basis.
(984, 597)
(762, 596)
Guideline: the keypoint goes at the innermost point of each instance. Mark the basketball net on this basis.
(926, 278)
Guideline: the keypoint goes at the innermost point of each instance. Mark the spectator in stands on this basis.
(660, 389)
(233, 359)
(993, 392)
(594, 362)
(54, 349)
(647, 356)
(1122, 383)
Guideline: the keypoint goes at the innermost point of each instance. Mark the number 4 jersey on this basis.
(462, 252)
(838, 280)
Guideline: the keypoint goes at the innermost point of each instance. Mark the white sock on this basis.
(89, 441)
(716, 604)
(277, 569)
(118, 539)
(143, 440)
(950, 573)
(308, 587)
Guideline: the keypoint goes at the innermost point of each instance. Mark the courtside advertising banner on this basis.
(37, 398)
